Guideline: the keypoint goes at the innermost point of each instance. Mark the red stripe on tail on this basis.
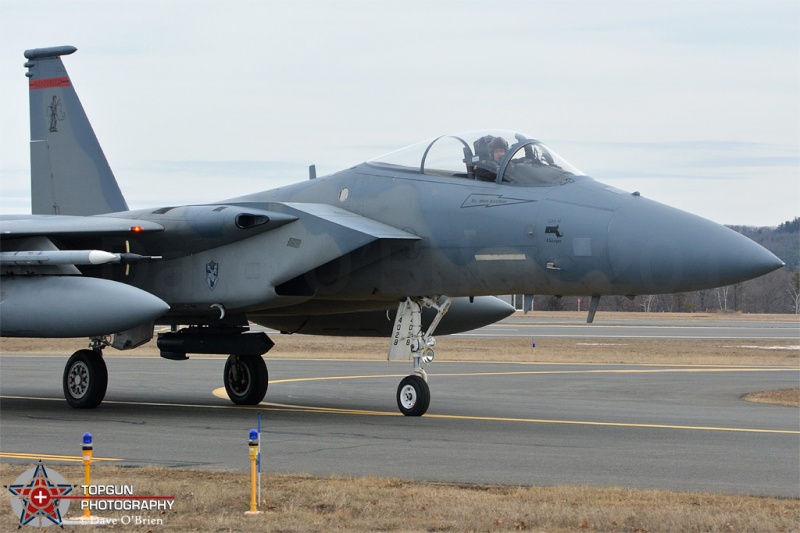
(48, 83)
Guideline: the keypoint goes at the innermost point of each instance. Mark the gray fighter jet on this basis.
(401, 246)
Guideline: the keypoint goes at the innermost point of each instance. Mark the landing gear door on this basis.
(400, 347)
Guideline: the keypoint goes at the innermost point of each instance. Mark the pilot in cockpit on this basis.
(497, 149)
(490, 157)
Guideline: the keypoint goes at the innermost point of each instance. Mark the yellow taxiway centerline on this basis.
(49, 457)
(221, 393)
(532, 372)
(334, 410)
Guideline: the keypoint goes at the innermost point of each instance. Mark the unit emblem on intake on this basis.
(212, 274)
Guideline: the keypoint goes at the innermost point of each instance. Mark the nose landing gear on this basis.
(409, 342)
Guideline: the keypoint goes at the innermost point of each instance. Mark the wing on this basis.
(43, 293)
(299, 241)
(20, 226)
(28, 246)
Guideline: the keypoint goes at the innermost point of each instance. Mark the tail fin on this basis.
(69, 172)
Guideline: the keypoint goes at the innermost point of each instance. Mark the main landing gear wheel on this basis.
(85, 379)
(413, 396)
(246, 379)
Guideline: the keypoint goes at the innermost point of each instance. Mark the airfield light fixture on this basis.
(87, 449)
(252, 445)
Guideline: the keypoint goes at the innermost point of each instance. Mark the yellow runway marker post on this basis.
(87, 468)
(252, 444)
(87, 448)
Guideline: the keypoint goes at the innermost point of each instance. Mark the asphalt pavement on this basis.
(664, 427)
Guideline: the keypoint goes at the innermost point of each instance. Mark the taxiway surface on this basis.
(667, 427)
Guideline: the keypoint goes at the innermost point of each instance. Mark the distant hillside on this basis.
(783, 241)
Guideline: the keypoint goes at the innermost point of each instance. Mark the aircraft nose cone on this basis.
(656, 249)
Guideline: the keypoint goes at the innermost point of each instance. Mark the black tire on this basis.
(85, 379)
(413, 396)
(246, 379)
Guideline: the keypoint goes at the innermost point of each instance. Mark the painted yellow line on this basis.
(220, 393)
(334, 410)
(622, 371)
(333, 378)
(67, 458)
(313, 409)
(534, 372)
(149, 404)
(617, 424)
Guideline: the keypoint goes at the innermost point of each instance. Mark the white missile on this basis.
(67, 257)
(58, 257)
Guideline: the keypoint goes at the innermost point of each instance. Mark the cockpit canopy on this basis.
(496, 155)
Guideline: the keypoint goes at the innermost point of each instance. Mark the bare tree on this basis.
(722, 297)
(794, 291)
(649, 303)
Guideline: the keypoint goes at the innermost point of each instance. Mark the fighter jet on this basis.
(412, 243)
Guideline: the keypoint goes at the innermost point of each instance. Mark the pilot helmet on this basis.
(498, 143)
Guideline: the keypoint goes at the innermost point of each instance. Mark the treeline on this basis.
(790, 226)
(783, 241)
(777, 292)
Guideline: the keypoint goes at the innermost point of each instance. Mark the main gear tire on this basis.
(85, 379)
(246, 379)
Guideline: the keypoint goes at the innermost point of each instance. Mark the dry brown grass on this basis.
(515, 349)
(787, 397)
(550, 350)
(214, 501)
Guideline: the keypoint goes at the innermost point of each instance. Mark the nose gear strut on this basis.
(409, 342)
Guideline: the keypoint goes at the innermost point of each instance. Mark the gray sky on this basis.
(694, 103)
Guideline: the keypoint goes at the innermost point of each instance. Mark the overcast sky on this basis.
(694, 103)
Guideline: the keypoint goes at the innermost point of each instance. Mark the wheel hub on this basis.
(408, 396)
(78, 380)
(240, 378)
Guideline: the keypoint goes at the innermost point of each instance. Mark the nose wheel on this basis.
(413, 396)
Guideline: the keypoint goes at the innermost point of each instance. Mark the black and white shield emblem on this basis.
(212, 274)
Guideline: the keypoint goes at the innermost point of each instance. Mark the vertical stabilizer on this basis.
(69, 172)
